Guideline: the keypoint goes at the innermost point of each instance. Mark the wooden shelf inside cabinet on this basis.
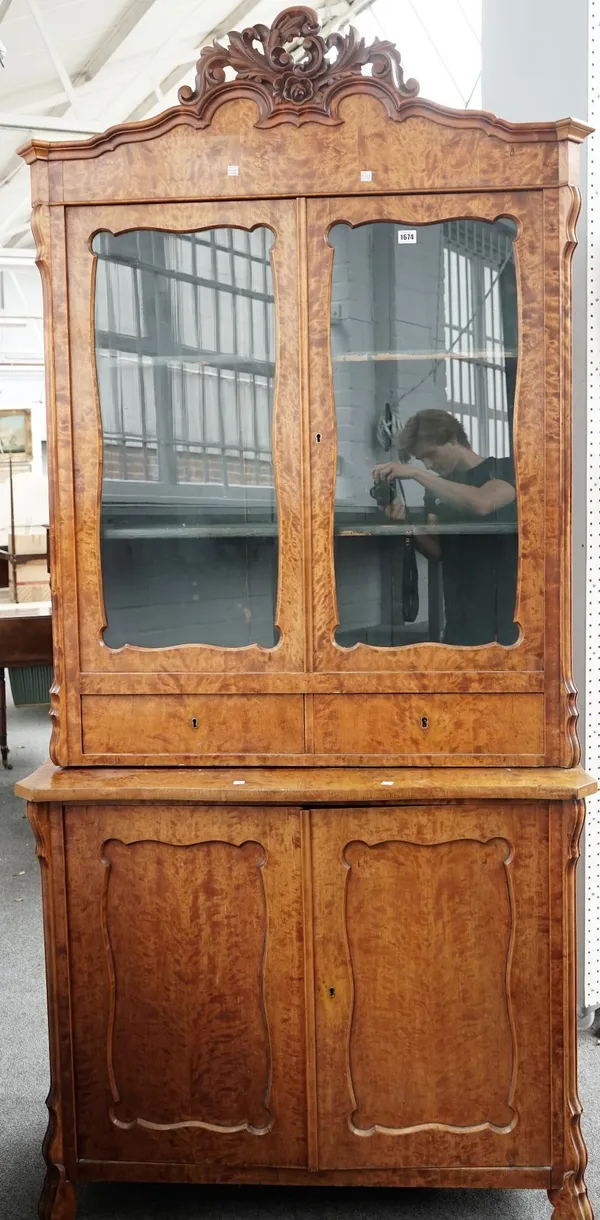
(395, 529)
(490, 356)
(179, 356)
(269, 530)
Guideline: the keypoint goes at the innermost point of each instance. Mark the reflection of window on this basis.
(480, 331)
(185, 356)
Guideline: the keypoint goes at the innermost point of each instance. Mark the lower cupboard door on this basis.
(187, 984)
(432, 965)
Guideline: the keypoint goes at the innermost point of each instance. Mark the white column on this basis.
(538, 64)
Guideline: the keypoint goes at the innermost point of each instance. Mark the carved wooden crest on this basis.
(295, 74)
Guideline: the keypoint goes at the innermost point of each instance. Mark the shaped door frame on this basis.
(527, 210)
(95, 657)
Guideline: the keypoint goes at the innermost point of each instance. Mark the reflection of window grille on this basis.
(478, 263)
(185, 356)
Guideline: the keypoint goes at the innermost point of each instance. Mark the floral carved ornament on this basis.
(294, 72)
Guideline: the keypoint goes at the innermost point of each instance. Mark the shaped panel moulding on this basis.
(185, 932)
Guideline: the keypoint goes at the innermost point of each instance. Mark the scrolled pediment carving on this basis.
(294, 72)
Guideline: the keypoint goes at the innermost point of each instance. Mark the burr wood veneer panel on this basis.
(193, 724)
(187, 987)
(190, 893)
(445, 725)
(433, 1040)
(309, 786)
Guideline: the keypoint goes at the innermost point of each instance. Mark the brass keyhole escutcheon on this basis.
(194, 722)
(424, 722)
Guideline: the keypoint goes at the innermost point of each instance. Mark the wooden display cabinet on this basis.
(313, 721)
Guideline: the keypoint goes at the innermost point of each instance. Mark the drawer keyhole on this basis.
(424, 722)
(194, 722)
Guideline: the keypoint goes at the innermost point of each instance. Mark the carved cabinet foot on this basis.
(571, 1201)
(58, 1200)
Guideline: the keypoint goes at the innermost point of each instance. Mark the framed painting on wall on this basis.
(15, 436)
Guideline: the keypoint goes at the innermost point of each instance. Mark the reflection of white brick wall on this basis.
(358, 585)
(418, 323)
(590, 882)
(352, 296)
(217, 591)
(385, 297)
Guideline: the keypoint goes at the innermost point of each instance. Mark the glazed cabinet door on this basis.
(429, 468)
(431, 933)
(183, 340)
(187, 994)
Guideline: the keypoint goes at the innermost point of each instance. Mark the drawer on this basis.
(192, 724)
(407, 724)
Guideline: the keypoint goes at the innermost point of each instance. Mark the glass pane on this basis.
(424, 349)
(185, 363)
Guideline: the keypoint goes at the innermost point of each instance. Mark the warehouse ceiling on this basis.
(73, 67)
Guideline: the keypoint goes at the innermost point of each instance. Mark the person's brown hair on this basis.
(429, 428)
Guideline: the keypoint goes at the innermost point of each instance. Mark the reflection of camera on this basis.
(384, 494)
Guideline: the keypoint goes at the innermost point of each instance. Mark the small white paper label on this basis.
(233, 171)
(407, 237)
(366, 175)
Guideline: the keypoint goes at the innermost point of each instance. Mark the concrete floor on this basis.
(24, 1076)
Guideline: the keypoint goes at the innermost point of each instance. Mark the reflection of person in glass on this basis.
(479, 568)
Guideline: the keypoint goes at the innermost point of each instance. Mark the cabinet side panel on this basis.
(48, 230)
(561, 209)
(569, 1157)
(59, 1145)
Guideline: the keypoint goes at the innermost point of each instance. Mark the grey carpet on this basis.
(24, 1076)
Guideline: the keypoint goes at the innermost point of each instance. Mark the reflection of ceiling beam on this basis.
(149, 78)
(47, 122)
(34, 100)
(9, 257)
(175, 76)
(114, 39)
(231, 21)
(439, 54)
(333, 16)
(468, 22)
(62, 73)
(83, 79)
(18, 231)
